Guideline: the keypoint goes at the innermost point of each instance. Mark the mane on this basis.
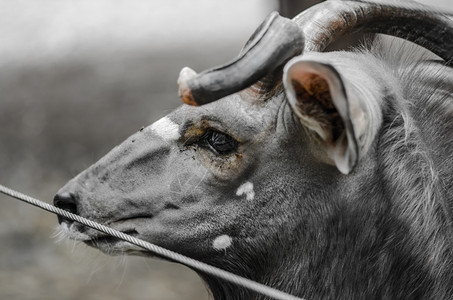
(420, 121)
(416, 161)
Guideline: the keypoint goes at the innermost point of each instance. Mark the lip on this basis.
(95, 241)
(131, 217)
(94, 238)
(126, 225)
(114, 246)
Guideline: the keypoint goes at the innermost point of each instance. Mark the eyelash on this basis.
(219, 143)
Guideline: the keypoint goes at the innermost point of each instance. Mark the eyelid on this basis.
(193, 132)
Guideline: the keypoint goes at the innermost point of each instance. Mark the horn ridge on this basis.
(279, 39)
(425, 26)
(276, 40)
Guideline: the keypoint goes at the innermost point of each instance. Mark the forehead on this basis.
(237, 113)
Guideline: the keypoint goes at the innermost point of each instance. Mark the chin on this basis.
(104, 243)
(114, 247)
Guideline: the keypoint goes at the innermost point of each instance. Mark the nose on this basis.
(66, 201)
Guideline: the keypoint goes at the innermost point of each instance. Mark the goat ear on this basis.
(317, 95)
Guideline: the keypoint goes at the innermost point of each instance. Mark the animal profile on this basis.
(326, 175)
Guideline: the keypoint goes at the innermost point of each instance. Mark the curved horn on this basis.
(278, 39)
(275, 41)
(409, 20)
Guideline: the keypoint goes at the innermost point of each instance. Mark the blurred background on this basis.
(76, 78)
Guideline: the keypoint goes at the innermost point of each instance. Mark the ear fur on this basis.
(317, 95)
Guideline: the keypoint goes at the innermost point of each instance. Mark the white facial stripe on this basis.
(166, 129)
(247, 189)
(222, 242)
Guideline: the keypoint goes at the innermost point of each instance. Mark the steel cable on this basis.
(195, 264)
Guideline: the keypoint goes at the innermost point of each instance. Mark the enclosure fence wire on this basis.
(200, 266)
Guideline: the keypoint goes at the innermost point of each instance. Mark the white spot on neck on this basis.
(247, 189)
(222, 242)
(166, 129)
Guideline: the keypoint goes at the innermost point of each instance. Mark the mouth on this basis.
(111, 245)
(101, 241)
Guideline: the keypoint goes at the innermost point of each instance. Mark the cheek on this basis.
(225, 169)
(186, 186)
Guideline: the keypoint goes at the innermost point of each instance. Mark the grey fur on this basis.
(383, 231)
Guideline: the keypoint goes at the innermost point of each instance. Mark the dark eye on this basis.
(219, 143)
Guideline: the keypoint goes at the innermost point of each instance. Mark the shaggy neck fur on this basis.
(389, 238)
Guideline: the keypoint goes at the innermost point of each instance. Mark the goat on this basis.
(323, 174)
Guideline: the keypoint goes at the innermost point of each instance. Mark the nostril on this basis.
(65, 201)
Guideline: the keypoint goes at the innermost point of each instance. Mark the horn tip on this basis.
(185, 91)
(185, 75)
(187, 97)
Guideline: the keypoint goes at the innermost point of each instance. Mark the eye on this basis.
(218, 142)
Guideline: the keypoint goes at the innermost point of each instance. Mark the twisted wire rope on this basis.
(198, 265)
(195, 264)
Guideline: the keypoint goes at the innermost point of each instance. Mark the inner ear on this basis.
(318, 98)
(315, 103)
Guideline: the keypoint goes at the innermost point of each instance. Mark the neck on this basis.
(355, 249)
(283, 278)
(278, 266)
